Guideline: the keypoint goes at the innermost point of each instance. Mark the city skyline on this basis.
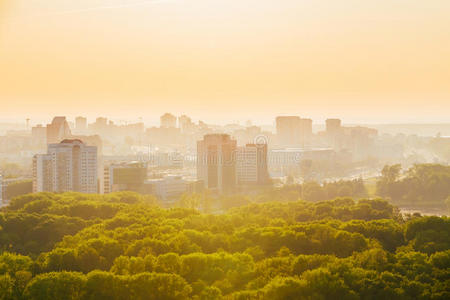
(224, 149)
(154, 120)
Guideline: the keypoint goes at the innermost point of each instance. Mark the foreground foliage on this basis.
(122, 246)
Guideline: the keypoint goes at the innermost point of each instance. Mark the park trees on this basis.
(54, 246)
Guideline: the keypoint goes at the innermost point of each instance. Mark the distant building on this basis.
(43, 169)
(125, 177)
(216, 162)
(14, 187)
(294, 132)
(334, 133)
(306, 132)
(67, 166)
(58, 130)
(248, 135)
(168, 121)
(39, 136)
(360, 141)
(186, 125)
(168, 188)
(101, 122)
(333, 126)
(100, 126)
(91, 140)
(251, 165)
(289, 131)
(81, 125)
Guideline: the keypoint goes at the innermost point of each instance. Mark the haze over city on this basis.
(216, 60)
(224, 149)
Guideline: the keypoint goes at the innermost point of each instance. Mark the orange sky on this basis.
(374, 61)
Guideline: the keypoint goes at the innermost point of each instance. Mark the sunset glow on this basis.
(207, 58)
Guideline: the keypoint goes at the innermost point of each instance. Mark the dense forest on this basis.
(123, 246)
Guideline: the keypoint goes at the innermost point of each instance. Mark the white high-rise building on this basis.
(67, 166)
(251, 164)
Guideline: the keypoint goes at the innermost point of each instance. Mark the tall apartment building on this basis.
(288, 131)
(58, 130)
(81, 125)
(186, 125)
(306, 132)
(68, 166)
(294, 132)
(216, 162)
(39, 136)
(333, 126)
(334, 132)
(168, 121)
(251, 165)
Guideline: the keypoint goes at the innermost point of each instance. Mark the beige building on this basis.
(216, 162)
(125, 177)
(58, 130)
(251, 165)
(67, 166)
(169, 188)
(39, 136)
(294, 132)
(168, 121)
(81, 125)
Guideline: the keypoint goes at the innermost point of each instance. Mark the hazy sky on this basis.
(366, 61)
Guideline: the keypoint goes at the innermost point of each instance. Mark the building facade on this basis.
(294, 132)
(306, 133)
(81, 125)
(169, 188)
(39, 136)
(216, 162)
(58, 130)
(288, 131)
(251, 165)
(125, 177)
(168, 121)
(67, 166)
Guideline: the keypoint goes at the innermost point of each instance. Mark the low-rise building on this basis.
(168, 188)
(128, 176)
